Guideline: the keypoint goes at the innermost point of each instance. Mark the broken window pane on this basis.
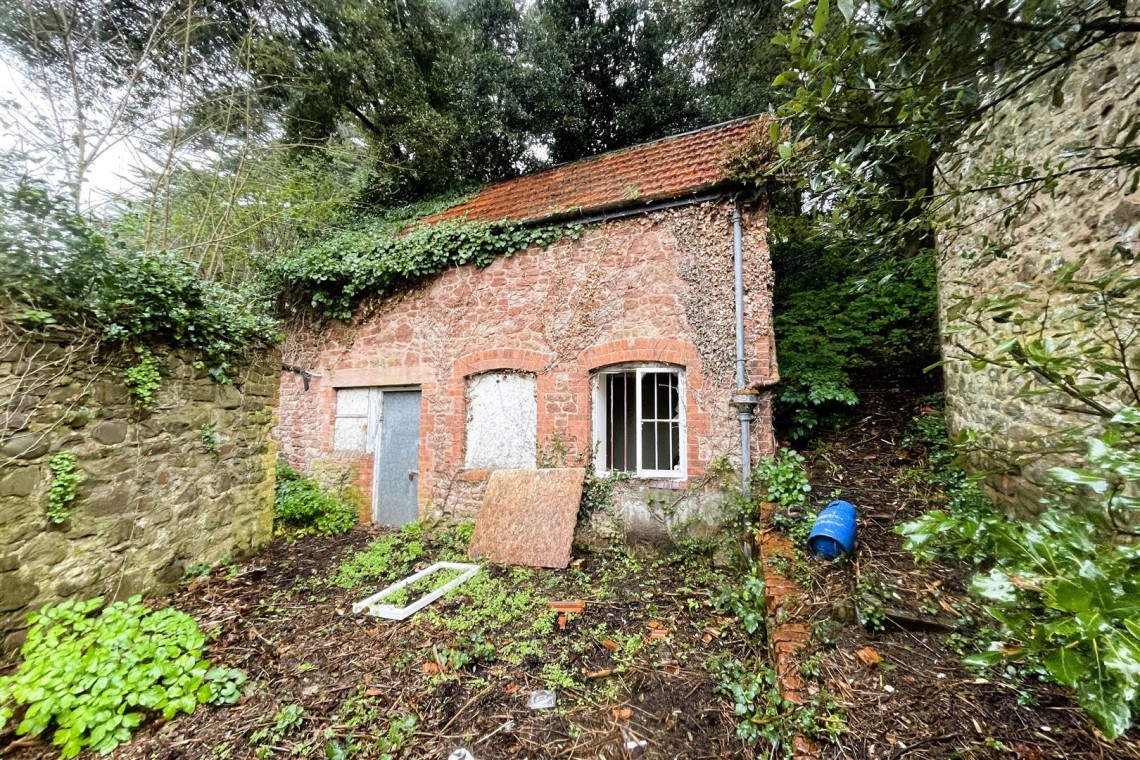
(641, 420)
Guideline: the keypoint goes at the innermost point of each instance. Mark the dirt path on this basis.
(918, 701)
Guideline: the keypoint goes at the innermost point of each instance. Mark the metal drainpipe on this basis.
(744, 398)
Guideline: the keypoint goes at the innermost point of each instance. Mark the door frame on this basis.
(375, 421)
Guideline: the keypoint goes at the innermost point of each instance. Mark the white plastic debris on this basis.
(373, 606)
(461, 754)
(542, 700)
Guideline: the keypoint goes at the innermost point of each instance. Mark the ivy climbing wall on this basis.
(100, 497)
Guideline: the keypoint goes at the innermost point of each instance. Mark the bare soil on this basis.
(279, 618)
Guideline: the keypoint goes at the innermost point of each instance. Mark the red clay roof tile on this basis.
(664, 169)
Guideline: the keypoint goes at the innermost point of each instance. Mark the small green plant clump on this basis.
(143, 379)
(385, 560)
(302, 508)
(422, 587)
(65, 480)
(94, 677)
(210, 438)
(783, 478)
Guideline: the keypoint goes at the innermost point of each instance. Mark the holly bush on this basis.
(92, 673)
(1063, 590)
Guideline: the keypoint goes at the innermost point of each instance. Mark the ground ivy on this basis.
(64, 482)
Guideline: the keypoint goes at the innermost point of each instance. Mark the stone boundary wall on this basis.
(157, 494)
(1094, 214)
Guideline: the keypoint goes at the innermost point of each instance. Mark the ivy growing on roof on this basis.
(330, 278)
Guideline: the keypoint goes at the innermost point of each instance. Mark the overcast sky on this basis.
(108, 175)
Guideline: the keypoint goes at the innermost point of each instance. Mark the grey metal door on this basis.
(396, 480)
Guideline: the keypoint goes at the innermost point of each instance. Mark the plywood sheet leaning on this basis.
(528, 517)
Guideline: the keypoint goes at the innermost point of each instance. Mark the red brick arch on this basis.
(667, 350)
(500, 358)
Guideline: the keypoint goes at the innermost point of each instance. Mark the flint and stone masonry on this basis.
(655, 288)
(1091, 214)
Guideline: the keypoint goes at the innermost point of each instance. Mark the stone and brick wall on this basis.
(1094, 214)
(653, 288)
(155, 497)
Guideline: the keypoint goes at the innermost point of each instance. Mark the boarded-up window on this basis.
(350, 432)
(502, 416)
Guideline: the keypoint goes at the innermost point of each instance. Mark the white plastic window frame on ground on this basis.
(372, 605)
(602, 415)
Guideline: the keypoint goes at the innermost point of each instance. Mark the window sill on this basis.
(678, 483)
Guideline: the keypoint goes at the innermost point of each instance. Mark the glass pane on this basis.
(648, 396)
(660, 449)
(659, 396)
(649, 445)
(667, 396)
(675, 452)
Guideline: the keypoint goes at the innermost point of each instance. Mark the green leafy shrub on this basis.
(381, 256)
(52, 261)
(64, 482)
(839, 317)
(783, 478)
(747, 603)
(1063, 591)
(302, 507)
(93, 677)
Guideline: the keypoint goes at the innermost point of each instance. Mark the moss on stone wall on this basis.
(153, 497)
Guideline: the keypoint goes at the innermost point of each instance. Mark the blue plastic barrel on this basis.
(833, 533)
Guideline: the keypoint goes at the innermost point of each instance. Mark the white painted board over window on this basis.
(502, 421)
(350, 431)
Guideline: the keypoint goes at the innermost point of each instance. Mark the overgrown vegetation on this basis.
(90, 674)
(843, 320)
(1061, 590)
(143, 379)
(65, 480)
(330, 277)
(54, 263)
(302, 508)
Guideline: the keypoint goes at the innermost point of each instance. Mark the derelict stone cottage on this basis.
(615, 348)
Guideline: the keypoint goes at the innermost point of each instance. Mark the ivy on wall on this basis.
(331, 277)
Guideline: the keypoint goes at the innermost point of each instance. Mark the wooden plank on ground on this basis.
(528, 517)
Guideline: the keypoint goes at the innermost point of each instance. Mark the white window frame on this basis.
(601, 424)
